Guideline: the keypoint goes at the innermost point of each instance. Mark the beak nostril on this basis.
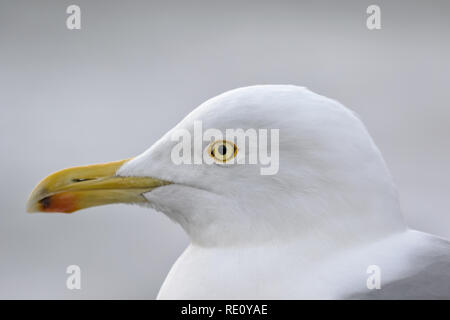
(81, 180)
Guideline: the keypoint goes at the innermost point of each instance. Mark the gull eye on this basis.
(222, 150)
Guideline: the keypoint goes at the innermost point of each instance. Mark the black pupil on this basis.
(222, 150)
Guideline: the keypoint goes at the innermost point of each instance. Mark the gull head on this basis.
(256, 164)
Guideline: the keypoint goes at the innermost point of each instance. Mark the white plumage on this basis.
(311, 230)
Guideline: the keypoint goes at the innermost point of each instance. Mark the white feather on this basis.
(310, 231)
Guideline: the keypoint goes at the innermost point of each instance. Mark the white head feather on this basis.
(332, 186)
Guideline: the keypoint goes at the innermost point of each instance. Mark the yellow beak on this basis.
(78, 188)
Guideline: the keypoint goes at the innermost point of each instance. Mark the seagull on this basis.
(326, 225)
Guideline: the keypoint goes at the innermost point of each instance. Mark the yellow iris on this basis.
(222, 150)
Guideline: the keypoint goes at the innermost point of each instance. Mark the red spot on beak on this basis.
(61, 202)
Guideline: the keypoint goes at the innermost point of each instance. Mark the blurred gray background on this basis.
(108, 91)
